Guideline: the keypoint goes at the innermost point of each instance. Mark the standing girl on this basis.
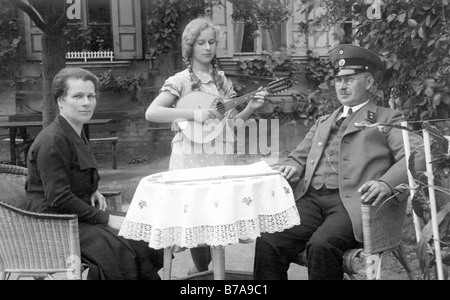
(199, 46)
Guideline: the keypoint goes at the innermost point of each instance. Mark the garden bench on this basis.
(113, 140)
(96, 134)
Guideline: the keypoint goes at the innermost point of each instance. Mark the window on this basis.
(274, 38)
(105, 25)
(93, 32)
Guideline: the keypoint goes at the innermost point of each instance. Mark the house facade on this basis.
(115, 38)
(119, 26)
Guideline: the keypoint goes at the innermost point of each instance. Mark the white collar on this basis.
(354, 108)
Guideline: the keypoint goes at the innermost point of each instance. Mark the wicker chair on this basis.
(38, 245)
(382, 234)
(34, 244)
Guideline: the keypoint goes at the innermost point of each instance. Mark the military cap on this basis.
(351, 59)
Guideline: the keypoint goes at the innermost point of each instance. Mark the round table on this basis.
(175, 213)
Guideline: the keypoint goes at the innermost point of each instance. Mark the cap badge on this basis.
(342, 63)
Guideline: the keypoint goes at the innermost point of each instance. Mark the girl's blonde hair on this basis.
(190, 34)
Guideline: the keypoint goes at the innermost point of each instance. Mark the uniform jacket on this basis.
(365, 154)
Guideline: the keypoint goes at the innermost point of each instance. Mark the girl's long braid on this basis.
(218, 80)
(196, 82)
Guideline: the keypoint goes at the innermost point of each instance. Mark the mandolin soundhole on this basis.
(221, 108)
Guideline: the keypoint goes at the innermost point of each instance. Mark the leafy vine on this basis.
(132, 83)
(167, 18)
(9, 43)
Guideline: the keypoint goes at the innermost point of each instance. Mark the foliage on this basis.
(9, 43)
(422, 208)
(131, 83)
(166, 21)
(168, 17)
(319, 103)
(317, 70)
(421, 204)
(88, 39)
(49, 17)
(266, 64)
(413, 39)
(265, 13)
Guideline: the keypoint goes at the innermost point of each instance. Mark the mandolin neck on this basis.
(232, 103)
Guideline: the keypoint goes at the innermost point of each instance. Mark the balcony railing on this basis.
(85, 55)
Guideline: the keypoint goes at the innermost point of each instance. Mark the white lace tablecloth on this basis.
(188, 209)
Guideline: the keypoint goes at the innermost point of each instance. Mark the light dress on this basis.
(187, 154)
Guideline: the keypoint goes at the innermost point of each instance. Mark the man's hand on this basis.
(374, 189)
(288, 172)
(99, 201)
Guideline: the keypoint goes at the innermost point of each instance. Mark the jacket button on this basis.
(320, 144)
(312, 161)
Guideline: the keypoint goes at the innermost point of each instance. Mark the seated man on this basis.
(339, 165)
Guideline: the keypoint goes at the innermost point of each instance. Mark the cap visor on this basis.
(346, 72)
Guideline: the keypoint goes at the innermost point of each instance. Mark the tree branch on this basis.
(53, 12)
(33, 14)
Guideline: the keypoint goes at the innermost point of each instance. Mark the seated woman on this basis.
(63, 179)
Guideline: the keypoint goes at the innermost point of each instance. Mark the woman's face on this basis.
(78, 105)
(205, 47)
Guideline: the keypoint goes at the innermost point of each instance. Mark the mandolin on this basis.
(206, 132)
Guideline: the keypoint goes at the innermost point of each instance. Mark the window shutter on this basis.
(33, 39)
(222, 18)
(127, 29)
(322, 40)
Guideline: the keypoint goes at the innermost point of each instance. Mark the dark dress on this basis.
(62, 174)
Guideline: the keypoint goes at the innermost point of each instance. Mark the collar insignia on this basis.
(371, 116)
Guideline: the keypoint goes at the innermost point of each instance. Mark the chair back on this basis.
(12, 184)
(35, 243)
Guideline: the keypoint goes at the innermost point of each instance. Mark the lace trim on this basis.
(220, 235)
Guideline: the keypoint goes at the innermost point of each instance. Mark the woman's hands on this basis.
(115, 222)
(99, 201)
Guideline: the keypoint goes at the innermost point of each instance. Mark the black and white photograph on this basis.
(218, 146)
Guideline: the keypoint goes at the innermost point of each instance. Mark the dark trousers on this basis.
(325, 231)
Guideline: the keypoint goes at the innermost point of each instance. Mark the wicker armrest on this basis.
(383, 225)
(12, 169)
(35, 215)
